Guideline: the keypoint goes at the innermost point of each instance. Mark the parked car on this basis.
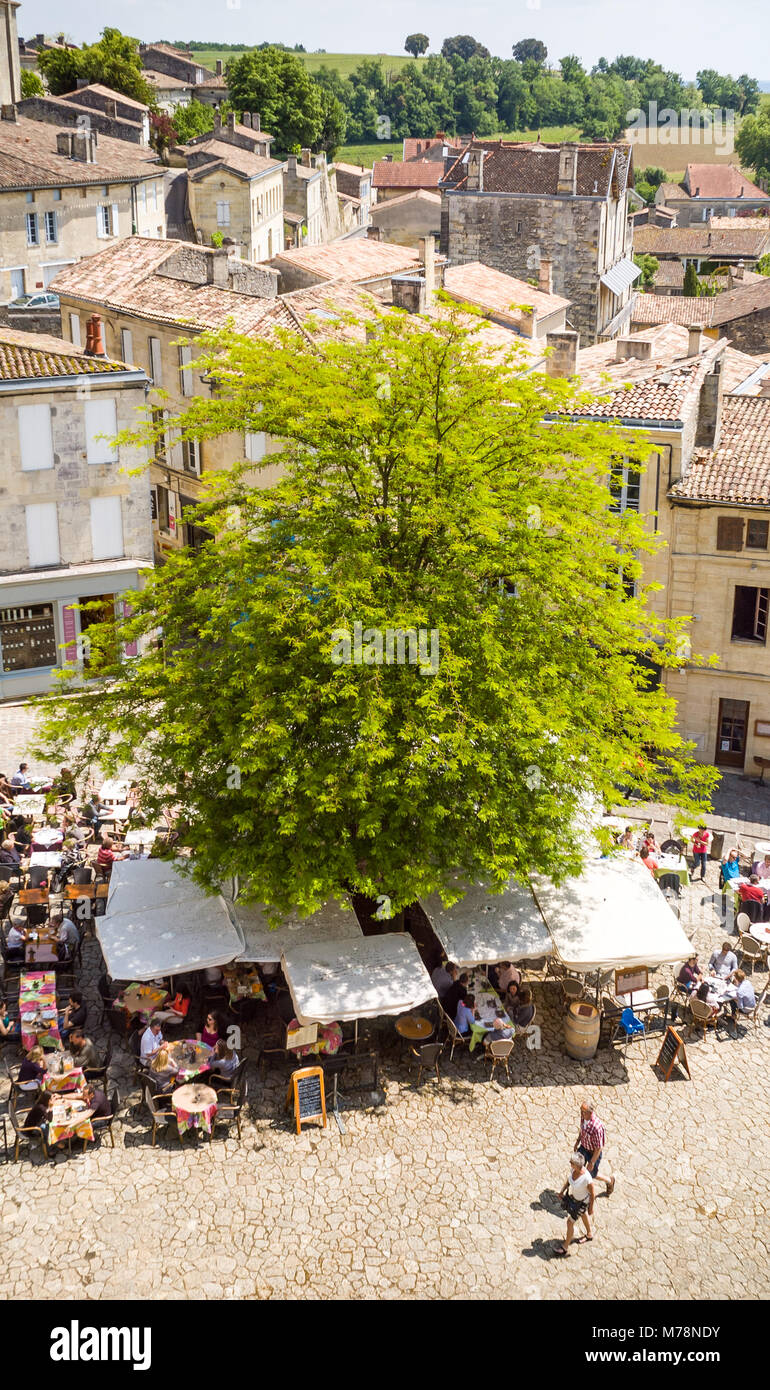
(35, 301)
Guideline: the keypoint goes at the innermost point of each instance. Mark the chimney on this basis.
(292, 165)
(256, 121)
(409, 293)
(562, 361)
(217, 268)
(112, 109)
(694, 339)
(217, 122)
(246, 119)
(373, 233)
(305, 158)
(60, 39)
(567, 180)
(738, 270)
(474, 171)
(83, 146)
(640, 348)
(39, 38)
(231, 123)
(545, 276)
(95, 337)
(219, 67)
(9, 113)
(709, 426)
(428, 249)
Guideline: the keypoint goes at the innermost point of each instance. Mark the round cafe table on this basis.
(188, 1066)
(761, 932)
(195, 1106)
(414, 1027)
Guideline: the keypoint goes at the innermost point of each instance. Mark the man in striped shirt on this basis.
(590, 1143)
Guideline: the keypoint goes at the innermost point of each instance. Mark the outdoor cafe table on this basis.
(37, 1010)
(329, 1040)
(488, 1005)
(195, 1107)
(45, 859)
(47, 837)
(145, 838)
(29, 805)
(41, 945)
(70, 1119)
(415, 1029)
(761, 932)
(190, 1058)
(141, 999)
(672, 864)
(243, 982)
(71, 1080)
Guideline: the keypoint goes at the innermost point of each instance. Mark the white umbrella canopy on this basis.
(611, 917)
(332, 922)
(158, 922)
(485, 927)
(339, 981)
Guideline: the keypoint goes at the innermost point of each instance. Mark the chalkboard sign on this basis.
(307, 1091)
(672, 1054)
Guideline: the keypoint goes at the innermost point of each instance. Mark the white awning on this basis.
(338, 981)
(158, 922)
(613, 916)
(485, 927)
(620, 276)
(265, 943)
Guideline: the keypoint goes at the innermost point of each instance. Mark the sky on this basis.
(684, 36)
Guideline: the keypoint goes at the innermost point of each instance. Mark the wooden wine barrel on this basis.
(581, 1030)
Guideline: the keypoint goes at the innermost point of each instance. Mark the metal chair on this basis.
(100, 1073)
(427, 1058)
(572, 990)
(454, 1037)
(24, 1132)
(161, 1115)
(498, 1054)
(220, 1082)
(103, 1123)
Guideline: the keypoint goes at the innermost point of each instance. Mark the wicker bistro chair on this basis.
(99, 1074)
(753, 1017)
(160, 1109)
(220, 1082)
(103, 1123)
(24, 1132)
(454, 1037)
(427, 1059)
(701, 1016)
(572, 990)
(230, 1105)
(751, 950)
(498, 1054)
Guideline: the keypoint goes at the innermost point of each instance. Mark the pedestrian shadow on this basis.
(543, 1249)
(550, 1201)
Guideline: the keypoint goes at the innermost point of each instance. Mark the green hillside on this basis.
(343, 62)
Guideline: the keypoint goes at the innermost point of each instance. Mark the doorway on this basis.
(17, 283)
(732, 728)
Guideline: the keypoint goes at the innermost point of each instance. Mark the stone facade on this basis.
(10, 72)
(749, 333)
(74, 115)
(249, 211)
(405, 221)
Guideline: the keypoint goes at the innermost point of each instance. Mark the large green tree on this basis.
(277, 84)
(114, 61)
(423, 489)
(416, 44)
(752, 143)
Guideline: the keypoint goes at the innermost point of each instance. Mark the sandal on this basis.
(561, 1250)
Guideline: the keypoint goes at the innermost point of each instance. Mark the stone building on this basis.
(75, 520)
(302, 197)
(64, 194)
(712, 190)
(93, 107)
(406, 220)
(740, 313)
(532, 312)
(236, 190)
(10, 69)
(356, 261)
(706, 245)
(511, 205)
(183, 73)
(391, 177)
(354, 185)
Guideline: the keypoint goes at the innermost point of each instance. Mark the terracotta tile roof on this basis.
(128, 278)
(490, 289)
(81, 110)
(727, 223)
(671, 191)
(359, 170)
(720, 181)
(739, 470)
(352, 259)
(533, 169)
(742, 300)
(418, 173)
(669, 273)
(417, 149)
(422, 195)
(108, 92)
(32, 356)
(659, 390)
(667, 308)
(29, 159)
(221, 154)
(749, 242)
(164, 80)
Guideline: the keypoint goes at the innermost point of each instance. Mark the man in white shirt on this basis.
(745, 999)
(442, 977)
(724, 962)
(15, 940)
(152, 1042)
(763, 869)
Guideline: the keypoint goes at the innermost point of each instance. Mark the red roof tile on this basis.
(533, 169)
(720, 181)
(417, 173)
(739, 470)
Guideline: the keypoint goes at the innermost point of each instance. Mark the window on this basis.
(223, 213)
(750, 614)
(51, 230)
(35, 437)
(185, 373)
(33, 233)
(163, 517)
(42, 534)
(624, 486)
(106, 528)
(107, 221)
(156, 371)
(757, 535)
(27, 638)
(730, 533)
(191, 457)
(256, 446)
(101, 418)
(57, 195)
(141, 196)
(75, 329)
(159, 444)
(127, 346)
(731, 212)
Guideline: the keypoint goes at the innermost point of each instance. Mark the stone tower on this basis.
(10, 77)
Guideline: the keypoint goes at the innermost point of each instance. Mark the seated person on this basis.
(16, 938)
(691, 975)
(9, 1027)
(465, 1016)
(442, 977)
(706, 996)
(69, 940)
(512, 996)
(97, 1102)
(752, 898)
(506, 973)
(763, 868)
(225, 1060)
(9, 854)
(32, 1070)
(107, 854)
(454, 994)
(74, 1015)
(745, 1000)
(20, 781)
(163, 1070)
(723, 962)
(647, 859)
(152, 1041)
(499, 1032)
(524, 1012)
(7, 792)
(83, 1051)
(40, 1114)
(212, 1030)
(626, 840)
(175, 1010)
(731, 866)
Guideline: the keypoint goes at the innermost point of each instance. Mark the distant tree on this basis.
(113, 61)
(31, 86)
(652, 175)
(61, 68)
(463, 46)
(691, 287)
(648, 266)
(191, 120)
(763, 265)
(163, 131)
(645, 190)
(416, 44)
(333, 123)
(571, 68)
(530, 48)
(277, 84)
(752, 143)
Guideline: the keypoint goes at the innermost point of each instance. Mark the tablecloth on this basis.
(201, 1119)
(672, 864)
(188, 1069)
(243, 983)
(488, 1005)
(64, 1081)
(37, 995)
(329, 1040)
(148, 998)
(65, 1124)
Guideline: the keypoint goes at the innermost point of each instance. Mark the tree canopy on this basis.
(530, 48)
(276, 83)
(416, 44)
(113, 61)
(427, 486)
(31, 86)
(752, 143)
(463, 46)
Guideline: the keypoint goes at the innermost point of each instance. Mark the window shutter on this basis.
(35, 437)
(256, 446)
(101, 417)
(185, 358)
(730, 533)
(106, 528)
(155, 362)
(42, 534)
(115, 228)
(75, 329)
(127, 346)
(100, 232)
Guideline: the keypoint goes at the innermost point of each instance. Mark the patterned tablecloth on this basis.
(71, 1080)
(242, 982)
(70, 1119)
(329, 1040)
(37, 1010)
(188, 1067)
(195, 1107)
(141, 999)
(488, 1006)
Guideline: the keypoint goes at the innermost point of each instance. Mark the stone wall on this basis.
(751, 333)
(66, 116)
(45, 321)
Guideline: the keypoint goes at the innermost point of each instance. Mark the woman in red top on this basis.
(700, 848)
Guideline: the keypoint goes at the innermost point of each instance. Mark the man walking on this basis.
(590, 1143)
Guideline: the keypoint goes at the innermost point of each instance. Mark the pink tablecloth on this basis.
(65, 1081)
(329, 1040)
(37, 994)
(201, 1119)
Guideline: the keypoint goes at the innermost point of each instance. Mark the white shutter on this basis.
(127, 346)
(100, 219)
(35, 437)
(256, 446)
(106, 528)
(42, 534)
(75, 329)
(115, 228)
(101, 417)
(185, 357)
(155, 361)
